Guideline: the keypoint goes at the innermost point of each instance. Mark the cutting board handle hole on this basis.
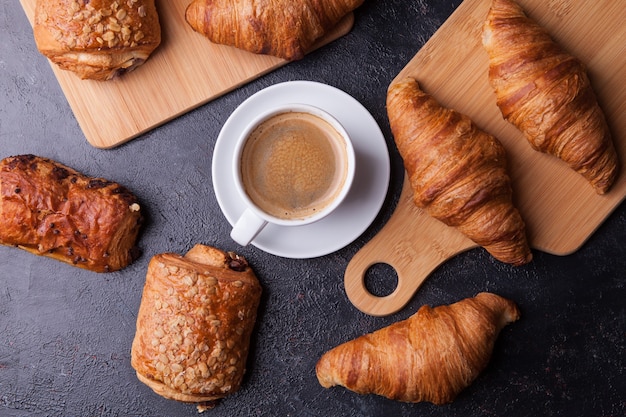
(380, 279)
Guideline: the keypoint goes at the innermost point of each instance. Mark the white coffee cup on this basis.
(293, 165)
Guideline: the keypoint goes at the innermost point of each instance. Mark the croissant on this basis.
(283, 28)
(49, 209)
(431, 356)
(97, 39)
(458, 172)
(194, 324)
(545, 92)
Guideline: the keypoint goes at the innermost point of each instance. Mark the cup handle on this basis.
(247, 227)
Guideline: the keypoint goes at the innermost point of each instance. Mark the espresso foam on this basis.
(294, 165)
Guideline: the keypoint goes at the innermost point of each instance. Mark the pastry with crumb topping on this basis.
(97, 39)
(194, 325)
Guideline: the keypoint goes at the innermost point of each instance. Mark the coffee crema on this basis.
(294, 165)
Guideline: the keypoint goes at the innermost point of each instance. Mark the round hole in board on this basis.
(380, 279)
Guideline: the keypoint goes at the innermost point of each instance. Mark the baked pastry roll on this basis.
(52, 210)
(194, 325)
(458, 172)
(283, 28)
(431, 356)
(545, 92)
(97, 39)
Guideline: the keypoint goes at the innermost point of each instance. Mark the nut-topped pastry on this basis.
(194, 325)
(97, 39)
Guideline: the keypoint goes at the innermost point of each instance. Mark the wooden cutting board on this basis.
(560, 208)
(185, 72)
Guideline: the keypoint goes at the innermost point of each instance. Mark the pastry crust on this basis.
(52, 210)
(194, 325)
(97, 39)
(283, 28)
(431, 356)
(458, 172)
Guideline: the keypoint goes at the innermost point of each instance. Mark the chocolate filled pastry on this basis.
(194, 325)
(97, 39)
(283, 28)
(52, 210)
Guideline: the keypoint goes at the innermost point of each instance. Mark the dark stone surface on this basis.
(65, 333)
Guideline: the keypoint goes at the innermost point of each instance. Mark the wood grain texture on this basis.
(186, 71)
(560, 208)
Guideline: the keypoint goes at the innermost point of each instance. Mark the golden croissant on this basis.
(458, 172)
(282, 28)
(545, 92)
(431, 356)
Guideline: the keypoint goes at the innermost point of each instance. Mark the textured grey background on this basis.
(65, 334)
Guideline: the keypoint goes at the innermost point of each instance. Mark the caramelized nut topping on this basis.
(94, 26)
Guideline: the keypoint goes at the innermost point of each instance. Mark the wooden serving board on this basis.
(185, 72)
(560, 208)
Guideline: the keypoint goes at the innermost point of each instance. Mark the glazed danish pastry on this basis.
(52, 210)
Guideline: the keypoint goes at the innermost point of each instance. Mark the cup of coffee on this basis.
(293, 165)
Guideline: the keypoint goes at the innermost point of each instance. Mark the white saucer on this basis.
(360, 206)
